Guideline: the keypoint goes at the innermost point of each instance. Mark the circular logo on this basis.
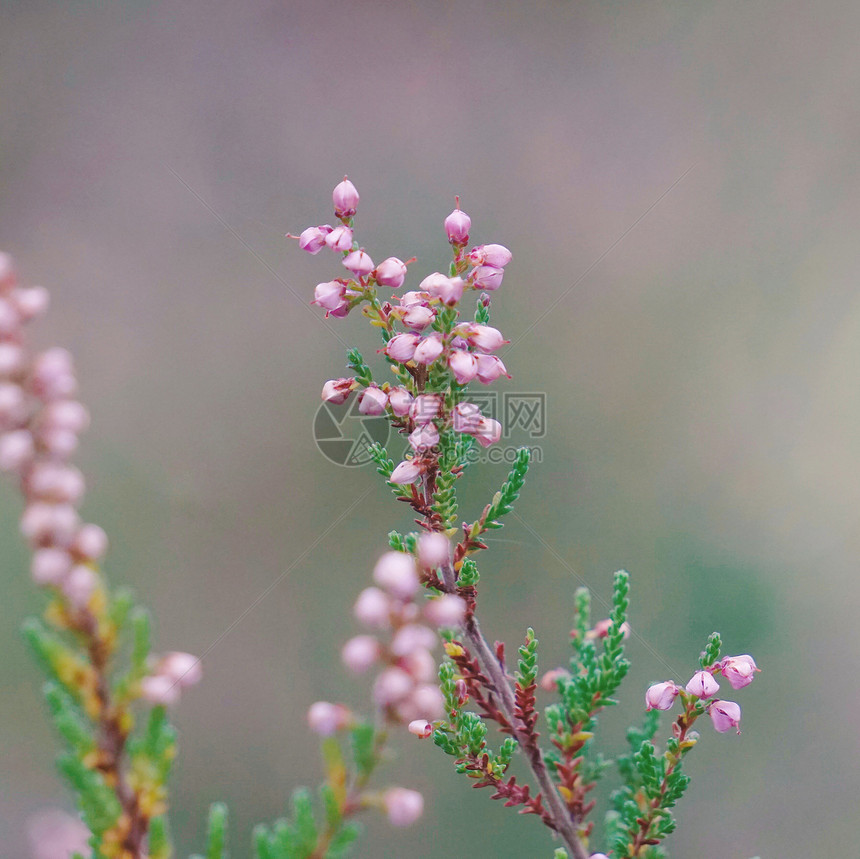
(343, 435)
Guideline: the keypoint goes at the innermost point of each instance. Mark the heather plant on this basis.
(109, 695)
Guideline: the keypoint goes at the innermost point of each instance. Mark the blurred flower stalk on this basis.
(108, 694)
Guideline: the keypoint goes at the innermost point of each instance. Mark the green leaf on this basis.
(216, 832)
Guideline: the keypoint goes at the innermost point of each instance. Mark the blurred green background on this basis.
(703, 379)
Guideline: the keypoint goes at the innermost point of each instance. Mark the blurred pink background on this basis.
(703, 379)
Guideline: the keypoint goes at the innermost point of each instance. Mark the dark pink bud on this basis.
(703, 685)
(339, 239)
(661, 696)
(725, 715)
(740, 671)
(336, 391)
(345, 199)
(421, 728)
(549, 681)
(359, 263)
(313, 239)
(487, 277)
(495, 255)
(457, 226)
(391, 272)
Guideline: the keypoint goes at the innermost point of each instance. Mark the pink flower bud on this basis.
(13, 404)
(53, 376)
(8, 275)
(403, 806)
(313, 239)
(79, 584)
(740, 671)
(401, 347)
(408, 299)
(391, 272)
(484, 337)
(31, 301)
(391, 686)
(426, 407)
(10, 321)
(373, 608)
(467, 418)
(598, 856)
(463, 365)
(66, 415)
(16, 450)
(457, 226)
(360, 652)
(412, 636)
(49, 481)
(345, 199)
(703, 685)
(419, 664)
(159, 690)
(406, 472)
(55, 523)
(90, 543)
(417, 316)
(549, 681)
(58, 443)
(725, 715)
(359, 263)
(449, 290)
(50, 566)
(11, 359)
(488, 432)
(448, 610)
(490, 368)
(495, 255)
(424, 438)
(429, 349)
(434, 550)
(399, 401)
(423, 702)
(661, 696)
(339, 239)
(395, 571)
(329, 295)
(487, 277)
(54, 834)
(336, 391)
(372, 401)
(421, 728)
(326, 719)
(602, 627)
(185, 669)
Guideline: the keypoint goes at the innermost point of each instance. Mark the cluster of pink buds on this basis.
(170, 674)
(725, 715)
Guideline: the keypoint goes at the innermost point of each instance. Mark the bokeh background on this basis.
(703, 378)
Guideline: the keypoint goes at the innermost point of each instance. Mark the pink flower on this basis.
(11, 358)
(412, 636)
(53, 376)
(359, 263)
(703, 685)
(313, 239)
(330, 295)
(661, 696)
(406, 472)
(421, 728)
(16, 450)
(417, 316)
(549, 681)
(490, 368)
(447, 610)
(487, 277)
(336, 391)
(391, 272)
(429, 349)
(50, 481)
(50, 566)
(373, 608)
(420, 664)
(65, 414)
(391, 686)
(457, 226)
(401, 347)
(601, 629)
(184, 669)
(345, 198)
(54, 523)
(463, 365)
(79, 584)
(414, 297)
(449, 290)
(467, 418)
(340, 238)
(434, 550)
(740, 671)
(326, 719)
(13, 404)
(424, 438)
(159, 690)
(360, 652)
(725, 715)
(10, 319)
(90, 543)
(488, 432)
(53, 834)
(426, 407)
(372, 401)
(495, 255)
(403, 806)
(399, 401)
(423, 702)
(395, 571)
(31, 302)
(483, 337)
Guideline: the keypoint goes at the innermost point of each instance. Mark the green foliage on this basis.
(356, 363)
(711, 652)
(70, 722)
(482, 313)
(528, 663)
(97, 802)
(384, 463)
(469, 575)
(503, 500)
(363, 739)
